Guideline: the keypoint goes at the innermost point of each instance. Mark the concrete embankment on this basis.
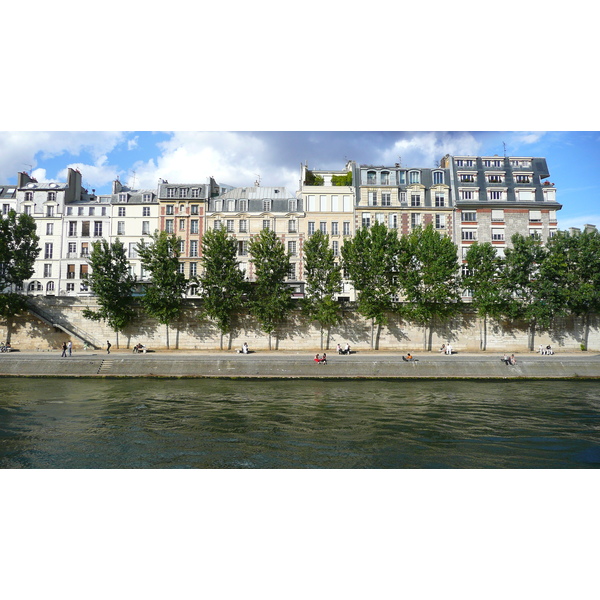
(276, 365)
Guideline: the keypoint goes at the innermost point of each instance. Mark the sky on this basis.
(239, 158)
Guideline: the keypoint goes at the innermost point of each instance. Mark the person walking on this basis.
(108, 345)
(64, 349)
(70, 347)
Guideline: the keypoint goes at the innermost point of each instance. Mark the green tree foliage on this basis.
(371, 259)
(222, 283)
(569, 276)
(342, 179)
(521, 284)
(312, 179)
(112, 284)
(18, 251)
(164, 295)
(323, 280)
(482, 279)
(270, 297)
(430, 277)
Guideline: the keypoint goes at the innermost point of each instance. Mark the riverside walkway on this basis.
(298, 365)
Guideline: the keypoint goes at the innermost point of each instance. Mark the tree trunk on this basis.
(372, 327)
(484, 334)
(327, 338)
(586, 329)
(425, 328)
(117, 336)
(532, 335)
(167, 326)
(377, 336)
(321, 337)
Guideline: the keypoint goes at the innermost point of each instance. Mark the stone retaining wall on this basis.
(193, 333)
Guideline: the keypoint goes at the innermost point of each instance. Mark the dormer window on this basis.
(183, 192)
(171, 192)
(147, 198)
(122, 197)
(371, 177)
(414, 177)
(51, 197)
(385, 178)
(28, 196)
(267, 205)
(467, 178)
(438, 177)
(495, 178)
(523, 178)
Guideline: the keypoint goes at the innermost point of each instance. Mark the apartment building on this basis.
(245, 211)
(405, 198)
(328, 197)
(498, 196)
(182, 208)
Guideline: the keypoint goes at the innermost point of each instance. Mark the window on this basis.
(83, 271)
(535, 215)
(386, 199)
(145, 227)
(230, 225)
(346, 228)
(49, 228)
(440, 221)
(69, 211)
(438, 177)
(402, 197)
(169, 209)
(469, 216)
(469, 234)
(132, 250)
(85, 249)
(243, 248)
(526, 195)
(323, 227)
(335, 203)
(243, 226)
(146, 197)
(195, 193)
(440, 199)
(70, 287)
(415, 220)
(28, 196)
(145, 211)
(103, 211)
(494, 178)
(26, 209)
(85, 229)
(194, 248)
(292, 205)
(266, 224)
(372, 198)
(181, 268)
(194, 209)
(194, 226)
(393, 221)
(322, 203)
(371, 177)
(497, 235)
(122, 197)
(243, 205)
(48, 270)
(181, 224)
(522, 179)
(121, 228)
(335, 247)
(311, 227)
(401, 177)
(366, 219)
(72, 249)
(267, 205)
(183, 192)
(91, 211)
(467, 178)
(169, 226)
(415, 200)
(48, 250)
(292, 272)
(414, 177)
(97, 228)
(49, 211)
(292, 226)
(80, 211)
(171, 192)
(217, 225)
(467, 195)
(193, 269)
(230, 205)
(385, 178)
(292, 248)
(497, 215)
(334, 228)
(495, 195)
(122, 211)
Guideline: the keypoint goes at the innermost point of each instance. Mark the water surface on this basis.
(144, 423)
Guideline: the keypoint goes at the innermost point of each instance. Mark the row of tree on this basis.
(416, 276)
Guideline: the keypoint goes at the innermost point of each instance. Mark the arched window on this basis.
(385, 178)
(50, 286)
(438, 177)
(35, 286)
(414, 177)
(371, 177)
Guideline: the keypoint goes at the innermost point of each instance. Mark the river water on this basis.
(206, 424)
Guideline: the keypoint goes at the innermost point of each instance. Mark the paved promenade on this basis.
(265, 364)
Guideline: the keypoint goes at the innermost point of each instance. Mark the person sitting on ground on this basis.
(541, 349)
(339, 349)
(245, 348)
(505, 359)
(549, 350)
(443, 349)
(347, 348)
(513, 360)
(317, 359)
(323, 361)
(448, 349)
(409, 358)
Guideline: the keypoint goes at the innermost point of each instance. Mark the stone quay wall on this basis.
(192, 332)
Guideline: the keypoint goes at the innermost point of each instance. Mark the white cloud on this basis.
(18, 150)
(132, 143)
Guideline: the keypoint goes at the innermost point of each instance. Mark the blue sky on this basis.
(139, 158)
